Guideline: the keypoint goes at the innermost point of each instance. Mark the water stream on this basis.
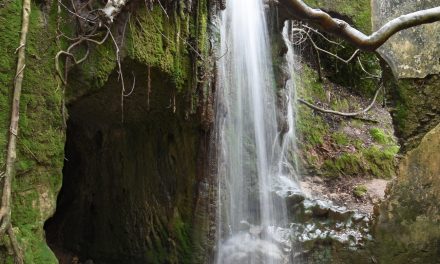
(254, 159)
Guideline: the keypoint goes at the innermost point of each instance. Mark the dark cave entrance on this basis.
(129, 189)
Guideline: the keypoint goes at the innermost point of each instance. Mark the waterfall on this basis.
(253, 167)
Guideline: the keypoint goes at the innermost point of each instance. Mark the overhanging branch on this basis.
(297, 9)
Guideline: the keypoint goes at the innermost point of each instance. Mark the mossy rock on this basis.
(41, 137)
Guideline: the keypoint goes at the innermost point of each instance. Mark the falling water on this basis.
(252, 163)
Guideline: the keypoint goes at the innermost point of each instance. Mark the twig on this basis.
(163, 9)
(75, 14)
(324, 37)
(326, 51)
(369, 74)
(120, 74)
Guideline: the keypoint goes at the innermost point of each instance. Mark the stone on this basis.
(412, 53)
(409, 220)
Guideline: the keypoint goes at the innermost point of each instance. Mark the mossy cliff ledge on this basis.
(135, 188)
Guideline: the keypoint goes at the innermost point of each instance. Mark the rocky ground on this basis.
(354, 193)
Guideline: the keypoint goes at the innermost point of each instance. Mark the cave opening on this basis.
(129, 188)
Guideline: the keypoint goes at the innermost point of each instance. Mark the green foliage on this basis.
(360, 191)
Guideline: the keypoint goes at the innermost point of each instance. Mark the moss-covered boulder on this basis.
(407, 229)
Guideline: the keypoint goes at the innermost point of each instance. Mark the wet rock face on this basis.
(408, 227)
(412, 53)
(321, 231)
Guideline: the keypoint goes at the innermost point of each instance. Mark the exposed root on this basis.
(69, 53)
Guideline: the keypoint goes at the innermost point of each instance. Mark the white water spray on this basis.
(252, 159)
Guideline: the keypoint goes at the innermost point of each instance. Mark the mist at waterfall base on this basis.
(255, 165)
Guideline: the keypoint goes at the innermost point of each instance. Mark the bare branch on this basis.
(374, 76)
(324, 37)
(11, 156)
(299, 10)
(327, 111)
(326, 51)
(18, 254)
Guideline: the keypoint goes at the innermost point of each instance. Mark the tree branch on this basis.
(297, 9)
(327, 111)
(11, 156)
(15, 246)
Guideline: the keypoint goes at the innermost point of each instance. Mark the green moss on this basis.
(340, 105)
(94, 72)
(181, 233)
(357, 10)
(160, 42)
(341, 139)
(380, 137)
(381, 160)
(311, 127)
(360, 191)
(375, 161)
(41, 139)
(349, 164)
(310, 87)
(414, 110)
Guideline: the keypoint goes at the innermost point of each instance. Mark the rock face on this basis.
(412, 53)
(416, 107)
(408, 225)
(413, 57)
